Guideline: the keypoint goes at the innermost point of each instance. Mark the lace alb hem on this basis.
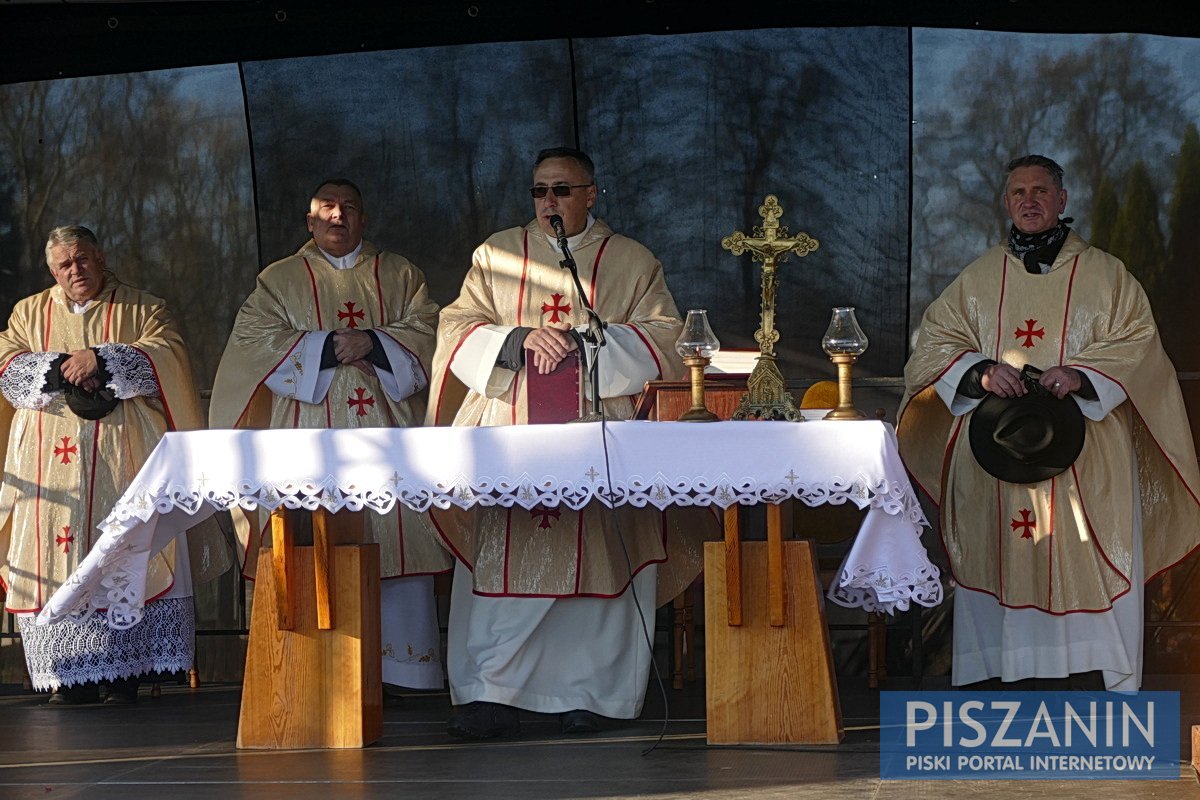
(132, 373)
(892, 497)
(21, 384)
(878, 589)
(66, 654)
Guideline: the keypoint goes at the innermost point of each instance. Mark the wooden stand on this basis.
(770, 677)
(1196, 751)
(664, 401)
(313, 664)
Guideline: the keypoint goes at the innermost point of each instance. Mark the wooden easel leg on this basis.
(733, 565)
(775, 588)
(283, 539)
(323, 569)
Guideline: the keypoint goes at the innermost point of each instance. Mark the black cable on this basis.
(595, 336)
(632, 588)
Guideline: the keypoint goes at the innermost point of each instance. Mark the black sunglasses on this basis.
(559, 189)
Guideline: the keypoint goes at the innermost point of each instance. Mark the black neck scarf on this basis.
(1035, 249)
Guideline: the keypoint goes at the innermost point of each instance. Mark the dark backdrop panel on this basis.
(441, 141)
(1119, 113)
(157, 165)
(690, 133)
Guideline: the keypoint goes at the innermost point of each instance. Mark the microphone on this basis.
(557, 224)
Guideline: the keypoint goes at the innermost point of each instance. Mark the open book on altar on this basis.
(732, 362)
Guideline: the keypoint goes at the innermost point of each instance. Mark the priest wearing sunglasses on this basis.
(553, 621)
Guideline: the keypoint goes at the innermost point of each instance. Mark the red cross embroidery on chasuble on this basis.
(351, 314)
(555, 307)
(1029, 333)
(66, 450)
(545, 514)
(1026, 522)
(66, 539)
(362, 400)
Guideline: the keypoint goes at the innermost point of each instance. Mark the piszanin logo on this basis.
(1029, 735)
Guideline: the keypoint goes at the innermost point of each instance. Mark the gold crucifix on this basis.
(768, 397)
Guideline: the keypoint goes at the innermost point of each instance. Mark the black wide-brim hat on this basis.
(93, 405)
(1026, 439)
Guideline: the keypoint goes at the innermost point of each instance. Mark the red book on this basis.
(553, 397)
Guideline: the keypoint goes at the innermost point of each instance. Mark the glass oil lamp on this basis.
(844, 342)
(696, 345)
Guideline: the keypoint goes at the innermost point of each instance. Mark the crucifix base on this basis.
(768, 397)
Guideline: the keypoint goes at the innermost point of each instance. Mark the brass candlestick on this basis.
(699, 411)
(844, 342)
(845, 407)
(696, 344)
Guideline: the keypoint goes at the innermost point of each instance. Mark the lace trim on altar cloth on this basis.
(21, 384)
(659, 492)
(877, 589)
(119, 590)
(132, 373)
(68, 653)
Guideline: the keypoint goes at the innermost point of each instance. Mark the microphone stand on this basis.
(593, 336)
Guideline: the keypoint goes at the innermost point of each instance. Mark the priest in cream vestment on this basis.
(93, 372)
(340, 335)
(1049, 575)
(542, 615)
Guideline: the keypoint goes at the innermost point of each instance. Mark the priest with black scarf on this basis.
(1049, 568)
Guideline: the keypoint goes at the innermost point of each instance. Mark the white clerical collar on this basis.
(343, 262)
(79, 308)
(572, 241)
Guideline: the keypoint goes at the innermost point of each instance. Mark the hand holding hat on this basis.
(1027, 438)
(87, 397)
(1061, 381)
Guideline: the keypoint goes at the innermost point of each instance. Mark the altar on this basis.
(191, 475)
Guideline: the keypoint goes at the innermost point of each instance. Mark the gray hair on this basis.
(578, 156)
(69, 234)
(1048, 164)
(345, 183)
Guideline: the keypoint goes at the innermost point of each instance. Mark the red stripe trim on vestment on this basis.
(437, 407)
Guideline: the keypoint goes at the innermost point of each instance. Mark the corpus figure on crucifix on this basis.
(768, 397)
(339, 335)
(1049, 556)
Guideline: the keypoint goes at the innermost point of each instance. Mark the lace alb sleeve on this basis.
(132, 373)
(24, 379)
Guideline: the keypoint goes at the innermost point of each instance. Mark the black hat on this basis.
(91, 405)
(1027, 439)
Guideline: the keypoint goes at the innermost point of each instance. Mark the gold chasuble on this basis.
(516, 281)
(63, 474)
(382, 291)
(1065, 544)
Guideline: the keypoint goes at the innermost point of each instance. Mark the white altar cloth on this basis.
(190, 475)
